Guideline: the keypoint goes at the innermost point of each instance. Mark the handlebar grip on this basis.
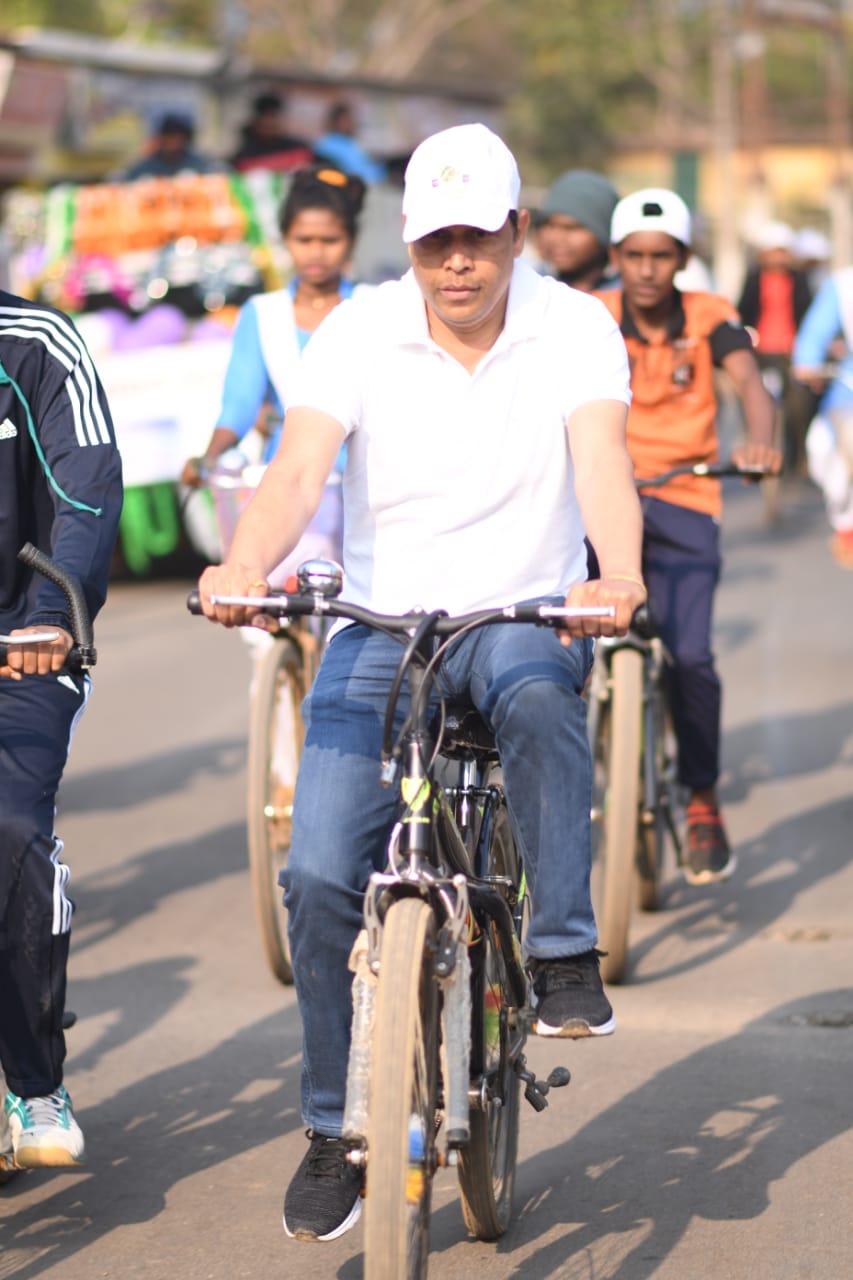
(642, 622)
(76, 660)
(194, 601)
(81, 624)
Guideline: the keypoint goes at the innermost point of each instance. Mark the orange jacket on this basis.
(674, 407)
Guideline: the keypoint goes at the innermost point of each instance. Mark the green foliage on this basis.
(191, 20)
(580, 78)
(83, 16)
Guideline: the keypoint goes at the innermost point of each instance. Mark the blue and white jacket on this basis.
(60, 469)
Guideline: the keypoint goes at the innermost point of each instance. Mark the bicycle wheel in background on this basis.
(771, 486)
(616, 805)
(403, 1092)
(487, 1164)
(275, 747)
(659, 760)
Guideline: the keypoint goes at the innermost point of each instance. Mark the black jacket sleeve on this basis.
(60, 478)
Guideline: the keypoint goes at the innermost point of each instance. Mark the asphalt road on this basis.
(710, 1137)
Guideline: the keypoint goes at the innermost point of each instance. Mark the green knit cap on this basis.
(588, 197)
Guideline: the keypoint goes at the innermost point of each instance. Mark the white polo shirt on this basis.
(459, 487)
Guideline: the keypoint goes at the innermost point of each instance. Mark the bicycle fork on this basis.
(452, 969)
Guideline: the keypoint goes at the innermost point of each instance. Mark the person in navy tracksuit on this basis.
(60, 489)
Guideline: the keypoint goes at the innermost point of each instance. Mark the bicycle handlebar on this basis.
(291, 606)
(705, 470)
(83, 655)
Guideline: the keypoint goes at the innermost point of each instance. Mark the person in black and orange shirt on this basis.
(674, 341)
(774, 299)
(264, 143)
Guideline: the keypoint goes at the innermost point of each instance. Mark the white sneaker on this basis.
(44, 1131)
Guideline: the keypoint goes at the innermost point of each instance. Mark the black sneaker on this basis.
(709, 857)
(569, 997)
(324, 1197)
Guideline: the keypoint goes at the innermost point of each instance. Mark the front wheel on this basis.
(616, 806)
(487, 1164)
(659, 756)
(403, 1092)
(275, 747)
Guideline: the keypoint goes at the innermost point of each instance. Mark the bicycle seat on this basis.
(466, 732)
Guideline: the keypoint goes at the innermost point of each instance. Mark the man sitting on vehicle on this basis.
(484, 411)
(674, 342)
(60, 489)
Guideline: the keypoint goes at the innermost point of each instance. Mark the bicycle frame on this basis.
(440, 1008)
(428, 855)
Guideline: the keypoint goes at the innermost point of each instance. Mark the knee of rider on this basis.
(308, 890)
(536, 705)
(691, 663)
(27, 867)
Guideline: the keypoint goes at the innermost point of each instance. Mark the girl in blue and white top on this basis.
(826, 334)
(319, 224)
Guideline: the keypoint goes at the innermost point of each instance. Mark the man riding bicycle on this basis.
(484, 411)
(674, 342)
(60, 489)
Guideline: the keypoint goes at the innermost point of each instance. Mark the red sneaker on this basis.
(709, 856)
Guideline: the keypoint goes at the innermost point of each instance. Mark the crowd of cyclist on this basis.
(616, 374)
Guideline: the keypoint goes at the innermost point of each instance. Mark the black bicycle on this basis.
(284, 670)
(440, 994)
(637, 802)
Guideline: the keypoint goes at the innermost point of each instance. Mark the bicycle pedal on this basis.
(559, 1078)
(535, 1097)
(536, 1090)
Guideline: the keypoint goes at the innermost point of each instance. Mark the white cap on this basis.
(812, 245)
(653, 209)
(461, 177)
(775, 235)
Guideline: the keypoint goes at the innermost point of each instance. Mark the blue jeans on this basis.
(528, 689)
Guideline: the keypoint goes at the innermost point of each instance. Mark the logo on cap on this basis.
(449, 175)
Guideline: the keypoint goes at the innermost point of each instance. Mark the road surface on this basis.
(710, 1137)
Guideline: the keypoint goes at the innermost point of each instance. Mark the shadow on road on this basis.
(705, 1138)
(159, 984)
(773, 870)
(108, 901)
(162, 1129)
(131, 785)
(786, 746)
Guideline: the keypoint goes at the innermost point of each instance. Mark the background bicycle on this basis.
(440, 998)
(284, 665)
(637, 803)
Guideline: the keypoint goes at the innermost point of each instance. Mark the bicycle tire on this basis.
(275, 746)
(403, 1092)
(618, 759)
(486, 1166)
(771, 486)
(658, 738)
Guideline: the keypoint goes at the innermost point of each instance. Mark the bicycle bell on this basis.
(320, 578)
